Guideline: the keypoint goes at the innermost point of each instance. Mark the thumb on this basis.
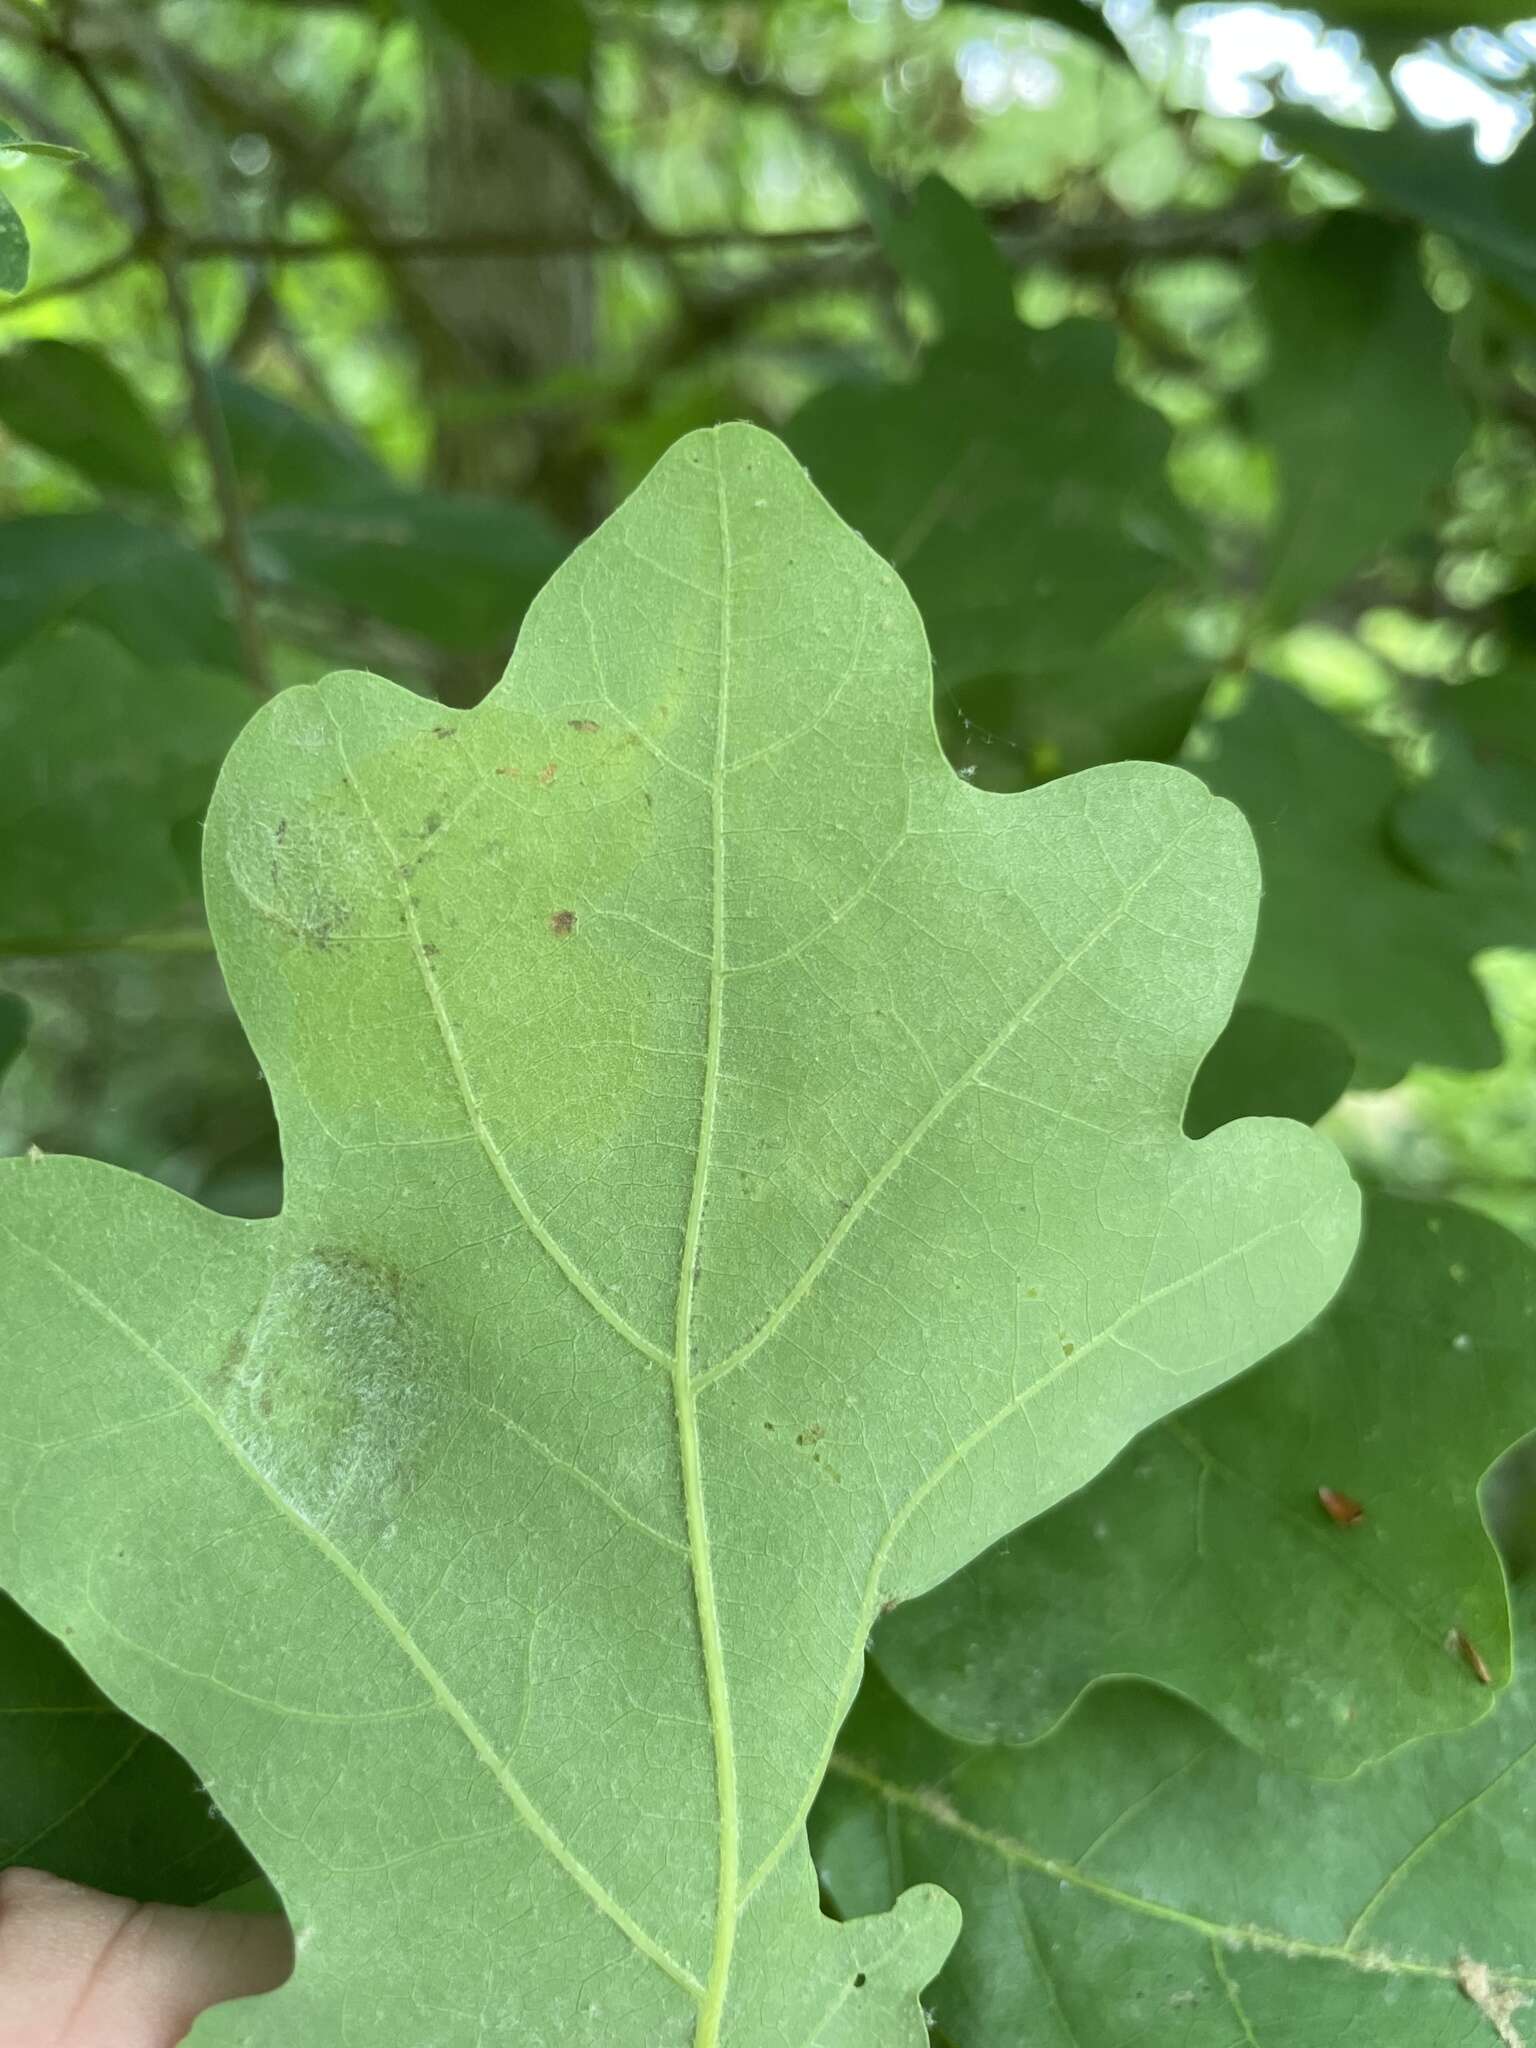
(81, 1970)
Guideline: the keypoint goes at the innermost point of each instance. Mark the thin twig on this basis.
(160, 241)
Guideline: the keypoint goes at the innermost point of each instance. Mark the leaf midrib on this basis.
(684, 1386)
(937, 1811)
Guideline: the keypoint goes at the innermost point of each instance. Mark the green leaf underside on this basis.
(87, 1795)
(1394, 979)
(1140, 1878)
(733, 1174)
(1203, 1558)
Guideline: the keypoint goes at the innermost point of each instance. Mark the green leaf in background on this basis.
(87, 1795)
(1132, 698)
(1140, 1879)
(733, 1172)
(70, 402)
(285, 456)
(54, 152)
(13, 1029)
(1016, 486)
(15, 253)
(1349, 935)
(458, 571)
(104, 756)
(1472, 823)
(1356, 403)
(939, 242)
(330, 524)
(149, 589)
(1268, 1064)
(1204, 1558)
(1432, 176)
(549, 39)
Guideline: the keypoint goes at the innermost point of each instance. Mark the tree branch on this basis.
(158, 240)
(1026, 230)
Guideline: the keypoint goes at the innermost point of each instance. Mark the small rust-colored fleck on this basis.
(1340, 1507)
(547, 773)
(444, 732)
(1471, 1656)
(563, 923)
(515, 773)
(583, 725)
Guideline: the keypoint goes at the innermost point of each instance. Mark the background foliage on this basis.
(1185, 368)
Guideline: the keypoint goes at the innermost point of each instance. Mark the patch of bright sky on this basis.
(1231, 59)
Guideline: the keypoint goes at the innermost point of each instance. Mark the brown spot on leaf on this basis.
(563, 923)
(810, 1436)
(429, 951)
(432, 822)
(583, 725)
(444, 732)
(515, 773)
(1470, 1655)
(548, 773)
(1342, 1508)
(282, 831)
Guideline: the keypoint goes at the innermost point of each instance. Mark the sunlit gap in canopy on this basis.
(1233, 60)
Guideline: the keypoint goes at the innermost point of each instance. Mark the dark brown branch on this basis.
(160, 242)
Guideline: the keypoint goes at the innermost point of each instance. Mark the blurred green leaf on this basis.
(548, 38)
(1472, 824)
(938, 241)
(69, 401)
(1204, 1559)
(13, 1028)
(89, 1795)
(1131, 698)
(104, 754)
(1139, 1879)
(143, 584)
(1268, 1064)
(1348, 935)
(330, 524)
(1357, 403)
(1015, 485)
(285, 456)
(15, 254)
(458, 571)
(56, 152)
(1432, 176)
